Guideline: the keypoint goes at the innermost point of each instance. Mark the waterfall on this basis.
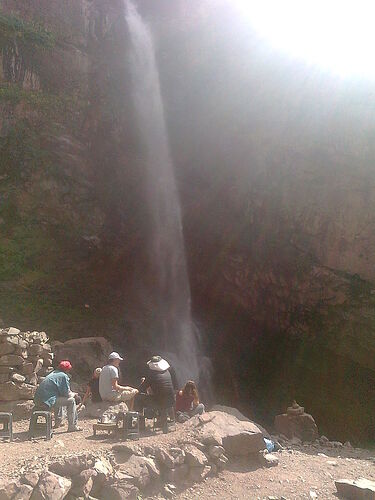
(166, 246)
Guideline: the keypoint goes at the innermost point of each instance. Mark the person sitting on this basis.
(54, 392)
(109, 387)
(157, 389)
(93, 388)
(187, 402)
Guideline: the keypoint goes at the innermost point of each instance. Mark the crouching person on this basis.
(54, 392)
(187, 402)
(109, 387)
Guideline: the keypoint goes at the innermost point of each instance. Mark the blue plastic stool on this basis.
(40, 424)
(6, 423)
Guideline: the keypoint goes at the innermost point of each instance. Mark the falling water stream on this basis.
(166, 252)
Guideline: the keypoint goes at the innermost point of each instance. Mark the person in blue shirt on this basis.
(54, 392)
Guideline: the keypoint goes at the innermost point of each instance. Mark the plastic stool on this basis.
(130, 425)
(40, 429)
(6, 423)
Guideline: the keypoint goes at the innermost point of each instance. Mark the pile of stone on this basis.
(25, 358)
(296, 423)
(203, 447)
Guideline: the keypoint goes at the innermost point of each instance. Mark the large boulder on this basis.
(217, 428)
(85, 354)
(236, 413)
(362, 489)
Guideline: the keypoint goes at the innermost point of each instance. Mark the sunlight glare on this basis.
(337, 35)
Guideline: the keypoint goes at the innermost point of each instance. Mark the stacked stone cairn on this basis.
(25, 359)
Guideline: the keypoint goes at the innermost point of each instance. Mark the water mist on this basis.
(176, 339)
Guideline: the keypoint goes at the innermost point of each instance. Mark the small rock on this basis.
(271, 460)
(216, 451)
(51, 486)
(332, 462)
(24, 492)
(313, 494)
(178, 455)
(19, 379)
(30, 478)
(169, 490)
(194, 457)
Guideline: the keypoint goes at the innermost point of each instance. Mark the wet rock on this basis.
(51, 487)
(362, 489)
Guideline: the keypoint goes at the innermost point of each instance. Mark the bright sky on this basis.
(337, 35)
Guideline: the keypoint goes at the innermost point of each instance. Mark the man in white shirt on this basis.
(109, 387)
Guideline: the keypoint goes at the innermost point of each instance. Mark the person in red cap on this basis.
(54, 392)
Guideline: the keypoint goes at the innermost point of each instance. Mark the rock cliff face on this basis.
(275, 169)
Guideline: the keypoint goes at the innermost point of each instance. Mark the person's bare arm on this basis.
(87, 395)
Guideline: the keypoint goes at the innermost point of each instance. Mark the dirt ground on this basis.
(303, 472)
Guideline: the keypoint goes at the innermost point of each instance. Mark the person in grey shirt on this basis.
(109, 387)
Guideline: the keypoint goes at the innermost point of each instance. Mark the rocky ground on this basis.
(303, 471)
